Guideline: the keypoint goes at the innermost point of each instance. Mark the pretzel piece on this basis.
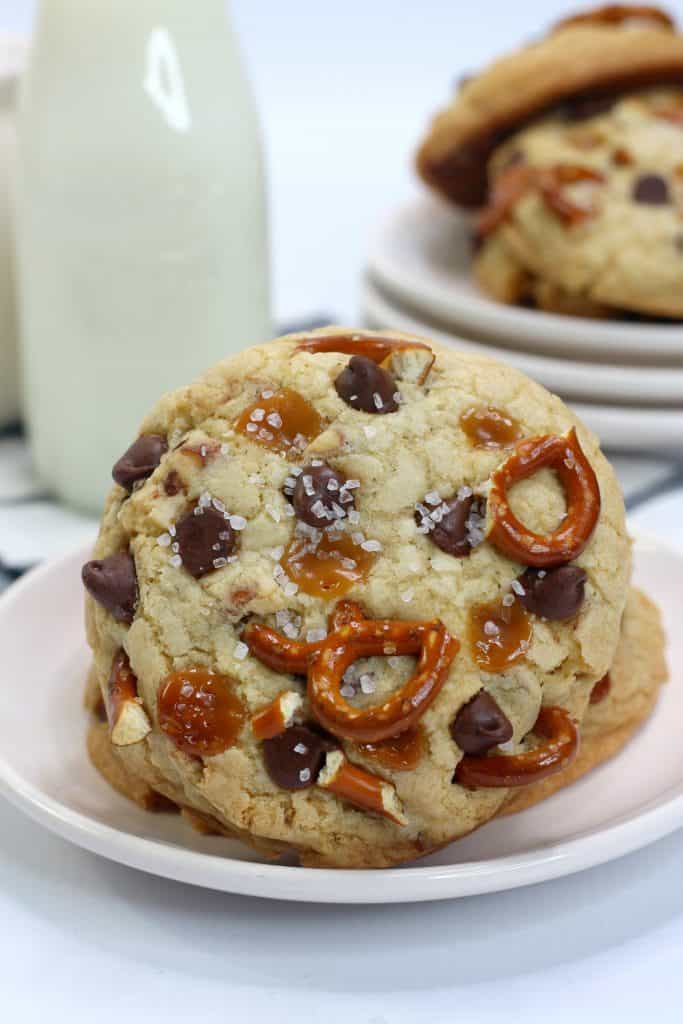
(363, 638)
(277, 716)
(360, 788)
(128, 721)
(617, 14)
(377, 349)
(560, 748)
(564, 454)
(281, 653)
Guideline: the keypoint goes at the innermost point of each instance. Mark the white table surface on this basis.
(344, 89)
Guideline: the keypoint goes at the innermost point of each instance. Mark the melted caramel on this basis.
(282, 420)
(400, 753)
(600, 690)
(329, 568)
(200, 712)
(499, 635)
(488, 427)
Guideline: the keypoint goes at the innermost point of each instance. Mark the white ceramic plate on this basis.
(624, 427)
(422, 255)
(44, 770)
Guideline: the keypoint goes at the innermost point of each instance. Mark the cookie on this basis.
(593, 210)
(633, 684)
(607, 52)
(338, 571)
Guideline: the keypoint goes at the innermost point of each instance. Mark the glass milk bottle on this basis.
(142, 246)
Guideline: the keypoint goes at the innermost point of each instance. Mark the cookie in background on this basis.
(570, 151)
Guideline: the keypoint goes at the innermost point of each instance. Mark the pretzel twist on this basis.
(617, 14)
(354, 636)
(563, 454)
(560, 748)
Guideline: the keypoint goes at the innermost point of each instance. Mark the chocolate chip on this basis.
(651, 189)
(113, 584)
(173, 484)
(294, 758)
(319, 496)
(366, 386)
(205, 539)
(553, 593)
(584, 107)
(140, 461)
(480, 725)
(456, 525)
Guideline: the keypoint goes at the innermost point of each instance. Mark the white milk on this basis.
(11, 58)
(141, 222)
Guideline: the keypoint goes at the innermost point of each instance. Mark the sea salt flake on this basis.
(371, 545)
(301, 749)
(517, 587)
(407, 595)
(305, 775)
(351, 484)
(332, 484)
(273, 513)
(240, 651)
(218, 563)
(164, 540)
(267, 393)
(367, 684)
(354, 516)
(257, 415)
(274, 419)
(314, 636)
(347, 690)
(377, 399)
(491, 629)
(176, 561)
(433, 498)
(238, 522)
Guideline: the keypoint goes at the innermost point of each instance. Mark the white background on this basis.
(344, 90)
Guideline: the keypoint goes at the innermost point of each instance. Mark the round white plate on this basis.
(44, 770)
(422, 255)
(625, 427)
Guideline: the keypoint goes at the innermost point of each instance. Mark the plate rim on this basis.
(334, 885)
(575, 336)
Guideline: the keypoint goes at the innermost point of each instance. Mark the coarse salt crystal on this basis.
(290, 630)
(274, 419)
(407, 595)
(176, 561)
(290, 588)
(163, 540)
(267, 393)
(491, 629)
(276, 553)
(305, 775)
(347, 690)
(354, 516)
(371, 545)
(377, 399)
(433, 498)
(273, 513)
(351, 484)
(240, 651)
(218, 563)
(333, 484)
(257, 415)
(314, 636)
(517, 587)
(301, 748)
(238, 522)
(367, 684)
(508, 599)
(252, 428)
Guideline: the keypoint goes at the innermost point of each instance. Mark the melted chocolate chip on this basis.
(319, 496)
(454, 525)
(366, 386)
(173, 484)
(584, 107)
(651, 189)
(113, 584)
(140, 461)
(553, 593)
(294, 758)
(480, 725)
(204, 538)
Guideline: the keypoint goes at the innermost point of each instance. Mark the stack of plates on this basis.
(625, 379)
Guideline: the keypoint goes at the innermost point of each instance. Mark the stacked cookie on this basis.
(572, 149)
(354, 595)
